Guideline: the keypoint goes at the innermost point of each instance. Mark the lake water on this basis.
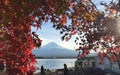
(55, 63)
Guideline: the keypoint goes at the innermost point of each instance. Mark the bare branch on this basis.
(93, 5)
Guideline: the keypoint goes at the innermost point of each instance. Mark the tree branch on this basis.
(93, 5)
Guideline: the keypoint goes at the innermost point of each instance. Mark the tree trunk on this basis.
(1, 66)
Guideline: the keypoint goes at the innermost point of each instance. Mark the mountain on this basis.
(54, 50)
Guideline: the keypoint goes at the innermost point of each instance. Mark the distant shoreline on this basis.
(56, 57)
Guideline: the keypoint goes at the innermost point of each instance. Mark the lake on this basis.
(55, 63)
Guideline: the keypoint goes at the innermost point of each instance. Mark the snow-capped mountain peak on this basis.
(51, 45)
(54, 50)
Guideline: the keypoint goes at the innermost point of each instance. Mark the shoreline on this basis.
(38, 73)
(94, 71)
(56, 57)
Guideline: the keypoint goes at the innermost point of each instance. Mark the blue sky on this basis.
(50, 34)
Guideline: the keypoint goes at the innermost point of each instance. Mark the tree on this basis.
(17, 16)
(102, 35)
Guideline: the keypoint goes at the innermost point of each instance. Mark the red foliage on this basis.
(93, 28)
(16, 38)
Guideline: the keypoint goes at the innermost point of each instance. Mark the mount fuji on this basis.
(54, 50)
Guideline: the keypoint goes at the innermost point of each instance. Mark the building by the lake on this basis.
(92, 60)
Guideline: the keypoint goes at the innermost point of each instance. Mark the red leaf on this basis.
(67, 39)
(35, 34)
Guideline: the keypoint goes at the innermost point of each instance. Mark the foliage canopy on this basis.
(97, 30)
